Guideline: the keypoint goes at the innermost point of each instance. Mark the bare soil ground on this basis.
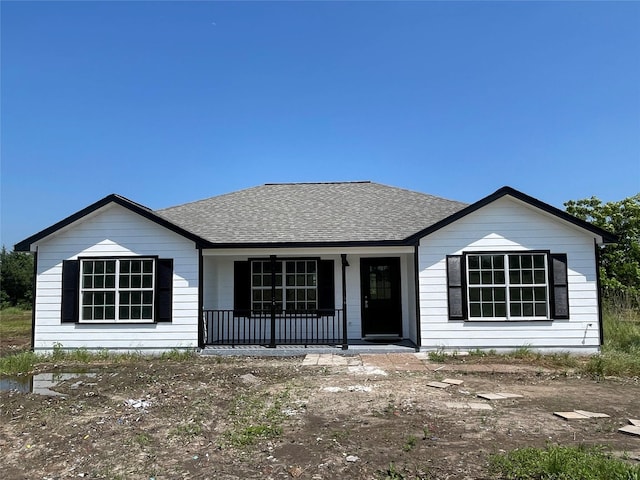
(270, 418)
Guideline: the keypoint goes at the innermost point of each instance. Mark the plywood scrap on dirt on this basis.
(630, 429)
(453, 381)
(633, 429)
(438, 384)
(580, 415)
(470, 405)
(592, 414)
(498, 396)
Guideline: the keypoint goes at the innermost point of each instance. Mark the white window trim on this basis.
(117, 291)
(508, 317)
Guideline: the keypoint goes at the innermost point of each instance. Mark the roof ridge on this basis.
(319, 183)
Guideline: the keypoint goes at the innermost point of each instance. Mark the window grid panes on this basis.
(117, 289)
(507, 286)
(295, 285)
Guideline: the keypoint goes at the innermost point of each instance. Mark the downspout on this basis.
(416, 283)
(345, 264)
(34, 285)
(201, 341)
(599, 287)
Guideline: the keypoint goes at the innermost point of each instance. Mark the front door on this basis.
(380, 297)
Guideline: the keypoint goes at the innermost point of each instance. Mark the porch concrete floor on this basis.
(355, 348)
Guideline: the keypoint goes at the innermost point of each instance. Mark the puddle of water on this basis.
(41, 383)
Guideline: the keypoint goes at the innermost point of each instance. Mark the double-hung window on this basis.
(117, 289)
(523, 285)
(510, 286)
(295, 282)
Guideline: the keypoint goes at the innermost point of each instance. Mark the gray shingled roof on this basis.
(312, 212)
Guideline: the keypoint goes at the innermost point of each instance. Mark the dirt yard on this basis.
(329, 417)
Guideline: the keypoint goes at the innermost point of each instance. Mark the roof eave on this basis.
(604, 236)
(318, 244)
(26, 244)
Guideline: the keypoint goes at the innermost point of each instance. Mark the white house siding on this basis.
(507, 225)
(116, 231)
(218, 279)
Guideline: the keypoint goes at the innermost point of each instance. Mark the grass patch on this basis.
(621, 330)
(178, 355)
(256, 417)
(562, 463)
(186, 430)
(621, 350)
(15, 322)
(23, 362)
(143, 439)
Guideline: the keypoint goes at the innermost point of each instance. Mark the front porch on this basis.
(325, 298)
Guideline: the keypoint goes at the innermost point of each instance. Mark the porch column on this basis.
(345, 264)
(272, 343)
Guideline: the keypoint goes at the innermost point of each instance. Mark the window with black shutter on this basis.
(528, 285)
(291, 285)
(117, 290)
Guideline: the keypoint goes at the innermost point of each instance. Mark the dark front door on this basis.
(380, 292)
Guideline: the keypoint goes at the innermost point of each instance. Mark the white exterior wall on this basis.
(116, 231)
(509, 225)
(218, 280)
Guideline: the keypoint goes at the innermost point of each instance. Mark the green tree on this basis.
(620, 262)
(16, 273)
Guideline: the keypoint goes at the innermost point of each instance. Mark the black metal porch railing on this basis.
(315, 327)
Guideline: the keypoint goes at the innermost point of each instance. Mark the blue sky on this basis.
(170, 102)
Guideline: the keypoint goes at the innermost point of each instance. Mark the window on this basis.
(128, 289)
(295, 285)
(117, 289)
(507, 286)
(301, 285)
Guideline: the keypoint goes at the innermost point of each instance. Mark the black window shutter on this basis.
(326, 287)
(559, 286)
(241, 289)
(70, 292)
(164, 290)
(455, 287)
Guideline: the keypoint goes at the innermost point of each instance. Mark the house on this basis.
(319, 263)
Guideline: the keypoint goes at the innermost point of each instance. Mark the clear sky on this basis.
(170, 102)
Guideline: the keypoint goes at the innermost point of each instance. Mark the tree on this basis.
(16, 273)
(620, 262)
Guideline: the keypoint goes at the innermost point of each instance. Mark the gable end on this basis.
(25, 245)
(607, 237)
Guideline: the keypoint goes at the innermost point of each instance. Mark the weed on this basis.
(391, 473)
(252, 433)
(438, 356)
(186, 430)
(178, 355)
(395, 473)
(478, 353)
(339, 434)
(17, 363)
(58, 351)
(409, 443)
(142, 439)
(562, 462)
